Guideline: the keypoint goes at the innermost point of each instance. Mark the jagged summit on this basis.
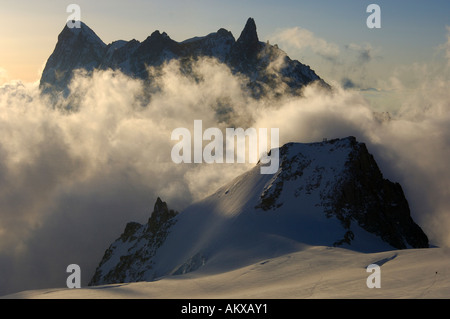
(82, 48)
(158, 35)
(247, 50)
(249, 35)
(329, 193)
(84, 32)
(76, 48)
(159, 204)
(141, 242)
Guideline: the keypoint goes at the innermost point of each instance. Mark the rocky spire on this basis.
(249, 36)
(160, 206)
(245, 51)
(161, 214)
(141, 242)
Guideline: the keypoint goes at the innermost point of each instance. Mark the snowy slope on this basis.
(315, 272)
(307, 202)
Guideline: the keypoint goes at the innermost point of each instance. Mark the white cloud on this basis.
(352, 63)
(300, 39)
(365, 52)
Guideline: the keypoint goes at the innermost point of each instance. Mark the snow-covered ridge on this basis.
(330, 193)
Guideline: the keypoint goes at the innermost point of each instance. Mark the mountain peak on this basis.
(249, 34)
(83, 33)
(77, 47)
(328, 193)
(160, 215)
(160, 205)
(158, 34)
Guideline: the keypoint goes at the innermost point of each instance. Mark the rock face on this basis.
(376, 204)
(129, 257)
(358, 195)
(263, 64)
(76, 48)
(329, 193)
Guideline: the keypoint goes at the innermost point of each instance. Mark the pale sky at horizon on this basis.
(412, 31)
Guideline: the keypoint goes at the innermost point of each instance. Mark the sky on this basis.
(411, 30)
(69, 182)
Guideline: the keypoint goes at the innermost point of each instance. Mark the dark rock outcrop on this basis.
(134, 248)
(359, 195)
(375, 203)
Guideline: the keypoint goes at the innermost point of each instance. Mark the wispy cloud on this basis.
(300, 39)
(365, 52)
(348, 63)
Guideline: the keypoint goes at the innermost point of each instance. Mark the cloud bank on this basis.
(297, 38)
(352, 62)
(71, 180)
